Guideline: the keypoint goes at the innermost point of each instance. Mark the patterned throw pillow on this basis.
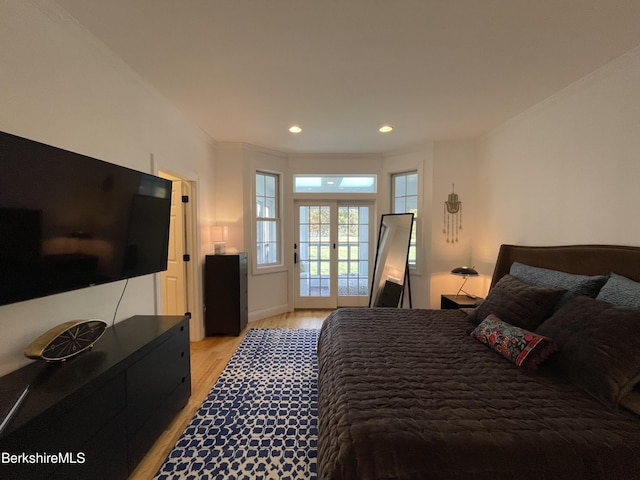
(526, 349)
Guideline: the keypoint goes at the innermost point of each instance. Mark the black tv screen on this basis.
(68, 221)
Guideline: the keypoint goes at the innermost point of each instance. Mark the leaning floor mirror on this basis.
(390, 271)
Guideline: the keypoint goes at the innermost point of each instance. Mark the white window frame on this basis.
(413, 265)
(337, 184)
(275, 220)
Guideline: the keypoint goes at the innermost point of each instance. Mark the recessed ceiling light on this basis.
(385, 129)
(295, 129)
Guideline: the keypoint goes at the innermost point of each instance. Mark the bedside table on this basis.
(449, 302)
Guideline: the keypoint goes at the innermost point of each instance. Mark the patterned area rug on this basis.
(260, 419)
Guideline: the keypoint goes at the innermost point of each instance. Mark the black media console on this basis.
(101, 411)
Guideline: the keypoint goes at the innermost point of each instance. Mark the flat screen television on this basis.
(68, 221)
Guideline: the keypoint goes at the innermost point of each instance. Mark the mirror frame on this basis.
(383, 232)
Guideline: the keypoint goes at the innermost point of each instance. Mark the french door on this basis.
(332, 253)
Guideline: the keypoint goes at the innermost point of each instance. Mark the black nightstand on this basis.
(450, 302)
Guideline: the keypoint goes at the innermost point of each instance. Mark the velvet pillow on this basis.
(621, 291)
(599, 347)
(518, 303)
(522, 347)
(575, 285)
(631, 401)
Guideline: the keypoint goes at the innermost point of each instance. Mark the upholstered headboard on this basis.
(579, 259)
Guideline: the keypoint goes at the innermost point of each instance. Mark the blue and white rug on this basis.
(260, 419)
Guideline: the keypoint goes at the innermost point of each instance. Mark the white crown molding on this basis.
(617, 64)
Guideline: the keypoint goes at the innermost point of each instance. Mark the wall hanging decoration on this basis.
(452, 216)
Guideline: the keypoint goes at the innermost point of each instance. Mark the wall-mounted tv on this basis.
(68, 221)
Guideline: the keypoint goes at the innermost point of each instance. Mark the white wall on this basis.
(439, 165)
(270, 291)
(454, 164)
(566, 171)
(563, 172)
(229, 205)
(61, 87)
(421, 161)
(326, 164)
(236, 164)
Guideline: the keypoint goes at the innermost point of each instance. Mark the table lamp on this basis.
(465, 273)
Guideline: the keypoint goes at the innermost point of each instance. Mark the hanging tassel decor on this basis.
(452, 221)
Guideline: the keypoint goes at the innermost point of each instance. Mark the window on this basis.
(405, 200)
(335, 183)
(267, 219)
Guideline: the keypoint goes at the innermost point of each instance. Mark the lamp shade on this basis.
(465, 272)
(219, 233)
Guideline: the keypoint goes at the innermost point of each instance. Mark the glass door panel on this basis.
(332, 254)
(314, 256)
(353, 251)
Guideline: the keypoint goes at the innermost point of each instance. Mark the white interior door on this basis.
(174, 278)
(332, 252)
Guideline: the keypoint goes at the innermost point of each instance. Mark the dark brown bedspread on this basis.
(407, 394)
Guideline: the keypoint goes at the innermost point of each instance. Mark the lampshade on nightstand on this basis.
(465, 273)
(219, 234)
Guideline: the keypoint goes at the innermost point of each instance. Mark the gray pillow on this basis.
(621, 291)
(588, 285)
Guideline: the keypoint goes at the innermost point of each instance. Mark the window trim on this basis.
(278, 264)
(416, 219)
(329, 184)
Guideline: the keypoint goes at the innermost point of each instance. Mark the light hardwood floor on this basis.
(208, 359)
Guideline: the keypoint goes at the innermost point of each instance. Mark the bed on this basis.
(438, 394)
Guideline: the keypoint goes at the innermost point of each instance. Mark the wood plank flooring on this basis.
(208, 359)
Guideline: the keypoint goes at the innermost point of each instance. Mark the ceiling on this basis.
(246, 70)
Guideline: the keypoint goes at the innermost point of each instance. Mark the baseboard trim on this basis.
(268, 312)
